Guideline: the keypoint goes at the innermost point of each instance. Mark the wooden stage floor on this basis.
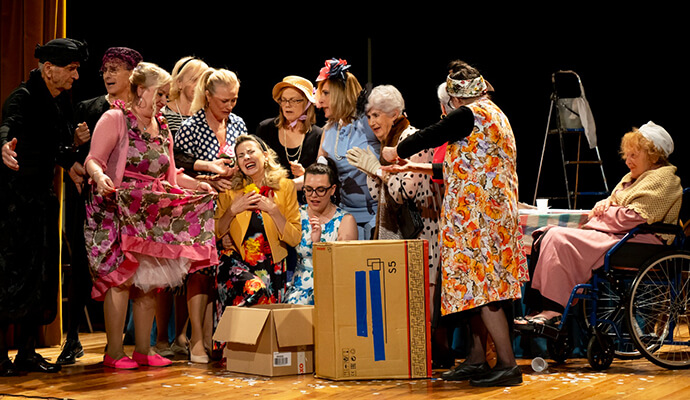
(638, 379)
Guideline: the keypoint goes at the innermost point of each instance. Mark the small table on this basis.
(532, 219)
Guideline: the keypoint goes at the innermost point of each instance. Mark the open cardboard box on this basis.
(269, 340)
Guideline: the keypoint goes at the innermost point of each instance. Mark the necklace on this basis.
(295, 157)
(140, 122)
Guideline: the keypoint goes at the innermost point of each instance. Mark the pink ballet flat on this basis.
(123, 363)
(155, 360)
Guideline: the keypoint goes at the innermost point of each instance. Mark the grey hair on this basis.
(386, 98)
(443, 96)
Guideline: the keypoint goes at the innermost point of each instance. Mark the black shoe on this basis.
(509, 376)
(442, 362)
(465, 371)
(71, 350)
(35, 363)
(7, 368)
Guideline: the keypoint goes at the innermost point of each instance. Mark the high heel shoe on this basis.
(203, 359)
(155, 360)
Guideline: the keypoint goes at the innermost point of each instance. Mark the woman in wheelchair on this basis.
(650, 192)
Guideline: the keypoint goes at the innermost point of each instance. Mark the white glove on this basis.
(364, 160)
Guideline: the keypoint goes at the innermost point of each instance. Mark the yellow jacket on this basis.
(286, 200)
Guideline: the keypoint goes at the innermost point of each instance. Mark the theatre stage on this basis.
(638, 379)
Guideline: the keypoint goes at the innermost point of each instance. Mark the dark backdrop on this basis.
(629, 60)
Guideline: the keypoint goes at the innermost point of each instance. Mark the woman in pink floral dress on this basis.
(482, 263)
(144, 230)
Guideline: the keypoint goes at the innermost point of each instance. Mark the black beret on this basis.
(62, 52)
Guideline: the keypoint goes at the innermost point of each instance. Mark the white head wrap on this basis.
(658, 136)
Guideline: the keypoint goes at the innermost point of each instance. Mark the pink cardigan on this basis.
(109, 144)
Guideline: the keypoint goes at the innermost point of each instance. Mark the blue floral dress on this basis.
(301, 286)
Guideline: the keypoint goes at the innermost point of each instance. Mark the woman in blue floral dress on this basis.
(322, 221)
(143, 230)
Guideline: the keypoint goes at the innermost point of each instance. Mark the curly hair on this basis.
(147, 75)
(273, 171)
(635, 140)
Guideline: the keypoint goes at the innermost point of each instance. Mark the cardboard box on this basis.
(269, 340)
(371, 314)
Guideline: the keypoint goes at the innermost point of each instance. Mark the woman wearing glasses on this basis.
(293, 134)
(322, 221)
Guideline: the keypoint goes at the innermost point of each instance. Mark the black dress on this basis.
(268, 132)
(29, 210)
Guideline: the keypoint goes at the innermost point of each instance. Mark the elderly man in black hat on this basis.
(36, 134)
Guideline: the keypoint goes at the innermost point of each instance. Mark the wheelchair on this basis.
(636, 305)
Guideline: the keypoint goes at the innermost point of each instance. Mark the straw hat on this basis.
(295, 82)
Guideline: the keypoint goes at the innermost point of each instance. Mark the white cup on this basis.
(539, 364)
(542, 205)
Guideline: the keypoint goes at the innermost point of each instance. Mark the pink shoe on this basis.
(155, 360)
(123, 363)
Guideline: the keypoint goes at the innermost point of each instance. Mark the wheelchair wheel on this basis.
(658, 310)
(610, 314)
(600, 351)
(559, 349)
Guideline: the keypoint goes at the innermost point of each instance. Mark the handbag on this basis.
(409, 218)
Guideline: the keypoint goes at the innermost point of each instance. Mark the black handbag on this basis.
(409, 218)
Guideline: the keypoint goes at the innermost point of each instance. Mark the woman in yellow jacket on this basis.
(256, 221)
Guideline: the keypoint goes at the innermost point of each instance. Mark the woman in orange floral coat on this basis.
(482, 261)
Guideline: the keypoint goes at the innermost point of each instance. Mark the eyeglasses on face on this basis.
(291, 102)
(320, 191)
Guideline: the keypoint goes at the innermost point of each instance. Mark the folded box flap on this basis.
(241, 325)
(294, 326)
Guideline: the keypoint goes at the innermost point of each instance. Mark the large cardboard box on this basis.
(371, 314)
(269, 340)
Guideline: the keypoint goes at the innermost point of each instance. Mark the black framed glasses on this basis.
(320, 191)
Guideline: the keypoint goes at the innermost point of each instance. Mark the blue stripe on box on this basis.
(377, 315)
(361, 302)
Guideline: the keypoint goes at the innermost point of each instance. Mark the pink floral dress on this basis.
(150, 231)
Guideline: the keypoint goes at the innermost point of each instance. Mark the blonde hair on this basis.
(210, 80)
(343, 98)
(635, 140)
(147, 75)
(273, 171)
(186, 68)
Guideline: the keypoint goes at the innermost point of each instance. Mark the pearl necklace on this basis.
(298, 154)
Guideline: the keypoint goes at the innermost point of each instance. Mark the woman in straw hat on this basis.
(293, 134)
